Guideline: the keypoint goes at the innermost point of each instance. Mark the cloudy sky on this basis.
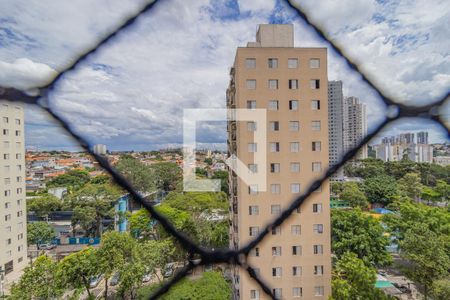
(131, 93)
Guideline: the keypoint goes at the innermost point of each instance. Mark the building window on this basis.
(18, 156)
(275, 147)
(315, 125)
(318, 228)
(293, 104)
(294, 125)
(251, 126)
(254, 230)
(8, 217)
(7, 205)
(17, 132)
(6, 145)
(316, 166)
(318, 249)
(314, 84)
(276, 272)
(314, 63)
(295, 167)
(293, 84)
(250, 84)
(297, 292)
(272, 63)
(17, 121)
(277, 293)
(296, 271)
(296, 250)
(315, 104)
(5, 120)
(275, 168)
(273, 84)
(20, 236)
(295, 188)
(6, 156)
(253, 189)
(318, 270)
(276, 251)
(254, 294)
(250, 63)
(19, 179)
(274, 126)
(317, 207)
(251, 104)
(252, 147)
(276, 230)
(316, 146)
(296, 229)
(253, 168)
(275, 209)
(7, 193)
(19, 168)
(275, 188)
(295, 146)
(273, 105)
(18, 145)
(19, 213)
(5, 131)
(292, 63)
(7, 180)
(254, 252)
(253, 210)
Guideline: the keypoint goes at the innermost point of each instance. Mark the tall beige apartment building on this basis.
(291, 84)
(13, 223)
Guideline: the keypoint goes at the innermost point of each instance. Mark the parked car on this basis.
(114, 279)
(94, 281)
(168, 270)
(46, 246)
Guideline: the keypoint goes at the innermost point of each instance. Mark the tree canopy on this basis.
(354, 231)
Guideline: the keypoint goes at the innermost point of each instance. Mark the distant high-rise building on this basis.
(291, 83)
(13, 222)
(99, 149)
(422, 137)
(355, 125)
(402, 146)
(336, 124)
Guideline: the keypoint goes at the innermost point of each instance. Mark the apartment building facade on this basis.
(355, 125)
(336, 124)
(291, 84)
(13, 234)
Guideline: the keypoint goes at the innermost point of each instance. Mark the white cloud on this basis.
(25, 74)
(131, 93)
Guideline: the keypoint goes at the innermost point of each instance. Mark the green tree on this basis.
(380, 189)
(167, 175)
(410, 185)
(141, 176)
(73, 179)
(101, 179)
(154, 255)
(39, 281)
(354, 280)
(200, 172)
(223, 176)
(443, 188)
(354, 231)
(179, 218)
(208, 161)
(365, 168)
(353, 194)
(100, 198)
(211, 286)
(197, 202)
(140, 224)
(43, 205)
(336, 188)
(430, 195)
(85, 217)
(40, 233)
(428, 255)
(440, 290)
(76, 269)
(113, 253)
